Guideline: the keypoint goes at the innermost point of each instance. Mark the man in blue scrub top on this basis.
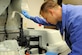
(69, 20)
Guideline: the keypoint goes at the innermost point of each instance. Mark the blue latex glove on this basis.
(25, 13)
(51, 53)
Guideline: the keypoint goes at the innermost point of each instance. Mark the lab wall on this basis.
(34, 7)
(74, 2)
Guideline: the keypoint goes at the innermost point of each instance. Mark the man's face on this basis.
(53, 15)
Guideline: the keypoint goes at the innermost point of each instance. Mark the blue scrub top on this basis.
(71, 23)
(72, 26)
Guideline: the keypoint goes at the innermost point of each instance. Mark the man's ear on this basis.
(51, 11)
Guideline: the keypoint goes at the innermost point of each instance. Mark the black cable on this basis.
(21, 28)
(6, 34)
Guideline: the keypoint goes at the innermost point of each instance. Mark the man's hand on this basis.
(25, 13)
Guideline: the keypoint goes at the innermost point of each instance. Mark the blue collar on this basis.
(63, 16)
(61, 25)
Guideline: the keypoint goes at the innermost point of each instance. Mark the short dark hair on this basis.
(48, 5)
